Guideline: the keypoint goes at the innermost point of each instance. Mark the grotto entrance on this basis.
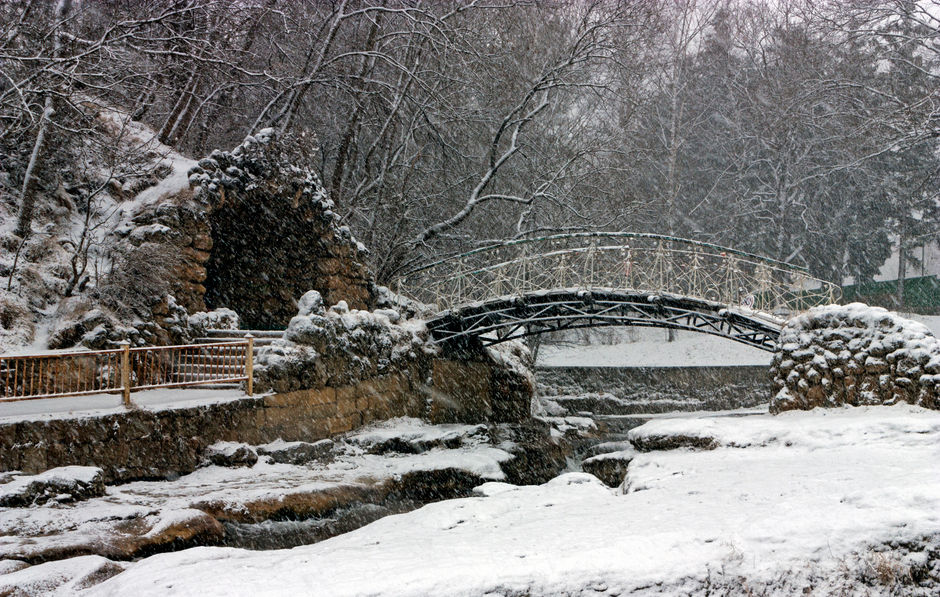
(274, 237)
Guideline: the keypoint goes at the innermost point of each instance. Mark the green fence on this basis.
(921, 294)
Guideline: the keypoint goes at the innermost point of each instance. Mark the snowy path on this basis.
(107, 404)
(803, 505)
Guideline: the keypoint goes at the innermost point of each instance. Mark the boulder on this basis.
(230, 454)
(653, 442)
(410, 436)
(611, 468)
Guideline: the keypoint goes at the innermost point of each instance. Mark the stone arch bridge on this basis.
(531, 286)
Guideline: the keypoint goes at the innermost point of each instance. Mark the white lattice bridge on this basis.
(594, 279)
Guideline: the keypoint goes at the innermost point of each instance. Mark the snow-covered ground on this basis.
(823, 500)
(648, 348)
(689, 349)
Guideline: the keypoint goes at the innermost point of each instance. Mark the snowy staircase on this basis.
(262, 337)
(213, 362)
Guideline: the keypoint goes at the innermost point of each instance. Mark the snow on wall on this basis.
(855, 354)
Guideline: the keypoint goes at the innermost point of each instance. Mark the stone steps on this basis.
(240, 334)
(258, 341)
(262, 337)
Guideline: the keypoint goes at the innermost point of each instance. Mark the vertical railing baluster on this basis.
(125, 372)
(249, 363)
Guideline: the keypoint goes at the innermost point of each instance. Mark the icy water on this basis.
(284, 534)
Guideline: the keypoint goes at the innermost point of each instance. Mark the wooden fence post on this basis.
(250, 363)
(126, 371)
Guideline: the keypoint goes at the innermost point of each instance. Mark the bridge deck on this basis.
(511, 317)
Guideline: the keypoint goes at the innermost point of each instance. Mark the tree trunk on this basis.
(27, 198)
(902, 271)
(336, 182)
(294, 101)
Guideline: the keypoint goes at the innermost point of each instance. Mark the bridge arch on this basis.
(568, 281)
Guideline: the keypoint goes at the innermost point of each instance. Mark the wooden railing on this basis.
(123, 370)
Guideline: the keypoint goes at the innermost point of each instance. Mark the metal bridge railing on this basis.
(633, 261)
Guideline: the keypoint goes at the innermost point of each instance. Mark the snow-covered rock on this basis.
(62, 484)
(297, 452)
(411, 436)
(221, 319)
(230, 454)
(339, 346)
(610, 467)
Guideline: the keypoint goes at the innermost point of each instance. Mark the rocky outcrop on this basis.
(245, 229)
(651, 442)
(283, 452)
(538, 455)
(340, 346)
(249, 232)
(397, 369)
(855, 355)
(182, 225)
(99, 328)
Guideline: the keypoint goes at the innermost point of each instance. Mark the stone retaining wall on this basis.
(654, 389)
(163, 443)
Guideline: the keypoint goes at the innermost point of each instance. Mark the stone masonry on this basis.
(855, 355)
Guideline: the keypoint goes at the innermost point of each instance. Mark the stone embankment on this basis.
(289, 466)
(855, 355)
